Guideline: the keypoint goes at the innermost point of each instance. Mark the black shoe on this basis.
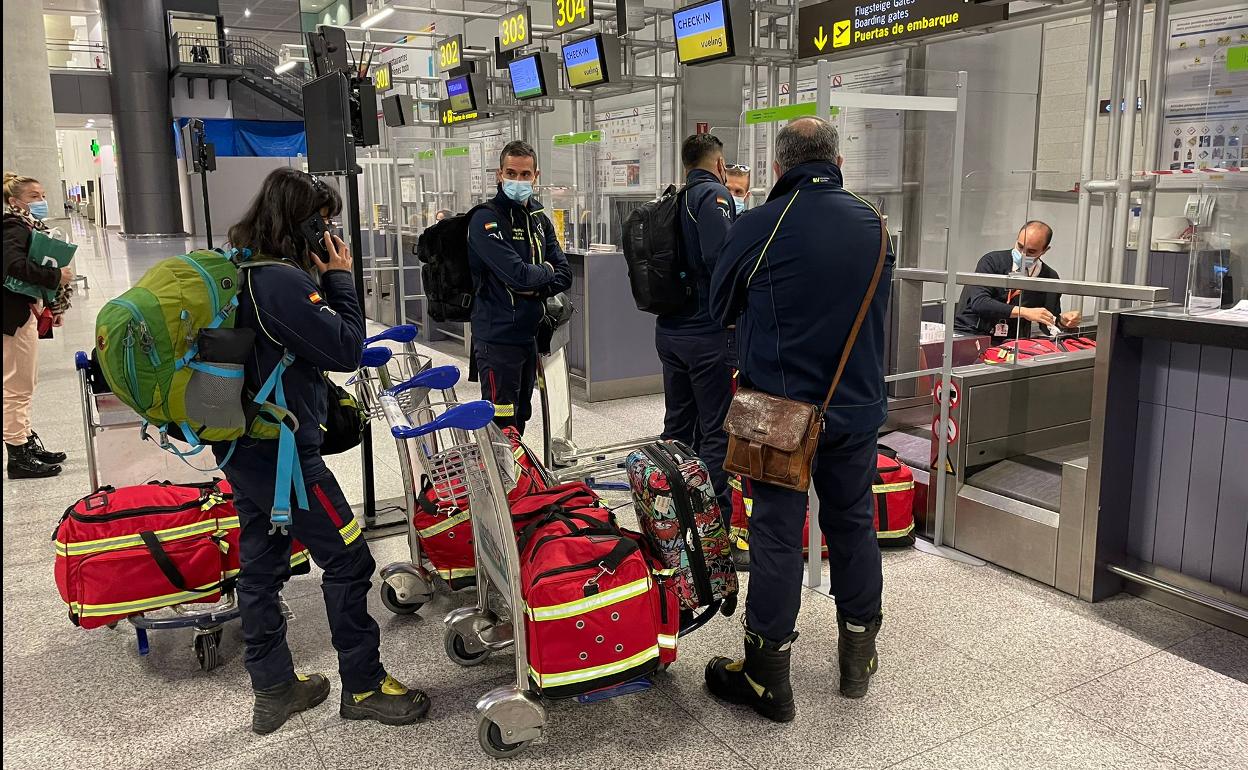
(856, 650)
(24, 465)
(391, 704)
(277, 704)
(740, 558)
(35, 447)
(760, 681)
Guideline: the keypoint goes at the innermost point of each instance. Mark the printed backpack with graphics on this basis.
(444, 272)
(661, 281)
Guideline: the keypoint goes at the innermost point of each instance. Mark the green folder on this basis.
(49, 252)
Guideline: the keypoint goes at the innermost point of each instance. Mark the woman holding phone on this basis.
(302, 302)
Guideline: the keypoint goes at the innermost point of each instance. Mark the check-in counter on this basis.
(1168, 516)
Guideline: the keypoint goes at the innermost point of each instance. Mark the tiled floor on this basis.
(979, 668)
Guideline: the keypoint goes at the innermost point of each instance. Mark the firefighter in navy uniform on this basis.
(792, 276)
(516, 265)
(693, 347)
(321, 324)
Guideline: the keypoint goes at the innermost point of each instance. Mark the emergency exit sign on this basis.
(847, 25)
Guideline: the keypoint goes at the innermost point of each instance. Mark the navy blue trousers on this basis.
(697, 390)
(843, 471)
(508, 374)
(333, 538)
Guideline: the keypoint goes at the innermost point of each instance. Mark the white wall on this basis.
(201, 106)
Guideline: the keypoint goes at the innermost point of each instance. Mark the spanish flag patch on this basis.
(491, 226)
(721, 201)
(314, 298)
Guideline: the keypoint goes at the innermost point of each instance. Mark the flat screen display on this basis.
(526, 77)
(583, 61)
(703, 32)
(459, 91)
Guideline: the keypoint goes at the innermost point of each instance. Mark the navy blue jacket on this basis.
(792, 276)
(706, 215)
(322, 326)
(983, 307)
(516, 263)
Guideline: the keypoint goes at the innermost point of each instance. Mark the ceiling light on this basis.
(285, 66)
(247, 12)
(226, 30)
(377, 17)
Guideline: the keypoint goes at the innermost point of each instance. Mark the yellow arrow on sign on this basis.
(821, 39)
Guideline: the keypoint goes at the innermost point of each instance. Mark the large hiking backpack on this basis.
(661, 281)
(444, 272)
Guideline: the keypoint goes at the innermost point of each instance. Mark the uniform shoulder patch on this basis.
(315, 298)
(489, 226)
(721, 201)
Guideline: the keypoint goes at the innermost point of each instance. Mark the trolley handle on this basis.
(375, 357)
(81, 361)
(437, 378)
(473, 415)
(402, 333)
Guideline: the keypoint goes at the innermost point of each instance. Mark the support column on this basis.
(29, 122)
(142, 119)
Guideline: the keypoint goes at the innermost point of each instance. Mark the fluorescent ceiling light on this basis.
(285, 66)
(377, 17)
(247, 12)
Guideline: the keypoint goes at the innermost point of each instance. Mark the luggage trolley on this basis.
(463, 453)
(406, 585)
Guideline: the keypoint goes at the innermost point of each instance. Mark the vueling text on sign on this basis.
(843, 25)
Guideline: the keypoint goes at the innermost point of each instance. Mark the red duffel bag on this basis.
(122, 552)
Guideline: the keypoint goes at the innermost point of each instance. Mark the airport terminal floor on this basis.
(979, 667)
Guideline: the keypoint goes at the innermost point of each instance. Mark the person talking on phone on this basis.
(300, 299)
(1008, 313)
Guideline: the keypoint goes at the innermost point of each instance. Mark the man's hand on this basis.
(1036, 315)
(339, 255)
(67, 276)
(1070, 319)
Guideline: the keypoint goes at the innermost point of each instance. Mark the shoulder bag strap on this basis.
(862, 314)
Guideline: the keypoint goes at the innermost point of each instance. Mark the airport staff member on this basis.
(516, 264)
(738, 184)
(693, 347)
(792, 276)
(1006, 313)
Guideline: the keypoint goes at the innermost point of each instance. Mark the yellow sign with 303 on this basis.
(513, 30)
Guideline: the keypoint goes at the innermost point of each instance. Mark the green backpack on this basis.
(169, 350)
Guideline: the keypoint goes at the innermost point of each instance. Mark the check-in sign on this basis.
(845, 25)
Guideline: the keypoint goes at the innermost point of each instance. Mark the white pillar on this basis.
(29, 124)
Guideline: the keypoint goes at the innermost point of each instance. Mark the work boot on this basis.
(35, 447)
(760, 681)
(741, 556)
(24, 465)
(856, 650)
(274, 705)
(391, 704)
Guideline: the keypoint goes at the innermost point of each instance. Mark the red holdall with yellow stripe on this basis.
(123, 552)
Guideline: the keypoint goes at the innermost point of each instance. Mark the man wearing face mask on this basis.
(738, 183)
(1006, 313)
(516, 265)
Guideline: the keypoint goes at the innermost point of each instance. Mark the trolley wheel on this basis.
(208, 649)
(457, 652)
(491, 737)
(390, 598)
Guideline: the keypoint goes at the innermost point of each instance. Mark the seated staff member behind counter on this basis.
(1003, 313)
(516, 265)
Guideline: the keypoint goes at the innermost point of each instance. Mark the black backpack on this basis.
(661, 281)
(447, 280)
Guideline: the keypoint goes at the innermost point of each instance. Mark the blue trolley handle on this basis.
(402, 333)
(473, 415)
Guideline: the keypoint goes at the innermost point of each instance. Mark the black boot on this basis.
(740, 557)
(760, 681)
(856, 649)
(35, 447)
(24, 465)
(391, 704)
(277, 704)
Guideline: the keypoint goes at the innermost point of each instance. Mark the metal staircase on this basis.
(243, 59)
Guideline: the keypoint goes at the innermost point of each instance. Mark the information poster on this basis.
(1206, 109)
(483, 158)
(871, 140)
(626, 153)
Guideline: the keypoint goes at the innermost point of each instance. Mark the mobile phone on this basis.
(313, 231)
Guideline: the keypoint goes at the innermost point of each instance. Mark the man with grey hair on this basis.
(795, 275)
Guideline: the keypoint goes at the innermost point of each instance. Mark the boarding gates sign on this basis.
(847, 25)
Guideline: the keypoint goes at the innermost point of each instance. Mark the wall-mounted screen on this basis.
(585, 61)
(703, 32)
(528, 80)
(459, 92)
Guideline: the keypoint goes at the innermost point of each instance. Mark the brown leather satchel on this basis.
(773, 439)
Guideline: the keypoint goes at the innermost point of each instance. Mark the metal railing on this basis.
(247, 53)
(77, 54)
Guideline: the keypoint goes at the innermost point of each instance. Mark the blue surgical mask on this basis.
(518, 191)
(740, 202)
(38, 209)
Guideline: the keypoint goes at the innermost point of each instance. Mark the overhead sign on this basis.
(383, 79)
(459, 91)
(583, 61)
(572, 14)
(703, 32)
(449, 117)
(425, 155)
(1237, 58)
(784, 112)
(584, 137)
(532, 76)
(455, 152)
(450, 52)
(847, 25)
(514, 30)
